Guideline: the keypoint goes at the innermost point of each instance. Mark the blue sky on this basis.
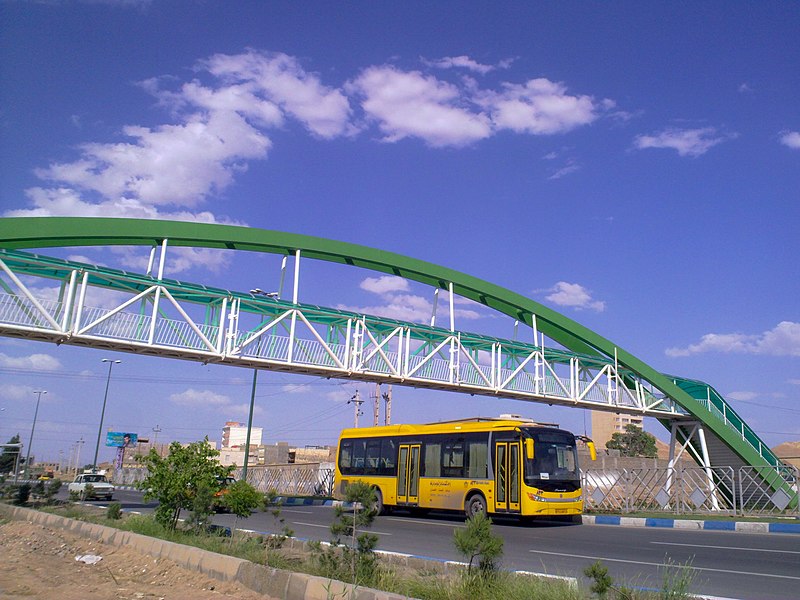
(633, 165)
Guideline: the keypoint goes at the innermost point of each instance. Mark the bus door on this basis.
(507, 475)
(408, 474)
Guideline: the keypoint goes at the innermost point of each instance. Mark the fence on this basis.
(748, 491)
(298, 480)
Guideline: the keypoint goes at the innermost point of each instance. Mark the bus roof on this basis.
(465, 425)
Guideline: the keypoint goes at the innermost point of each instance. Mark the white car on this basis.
(101, 487)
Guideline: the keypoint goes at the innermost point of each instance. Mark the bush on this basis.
(351, 556)
(476, 540)
(51, 489)
(23, 494)
(114, 511)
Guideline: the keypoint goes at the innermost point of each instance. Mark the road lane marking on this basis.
(421, 522)
(652, 564)
(310, 524)
(328, 527)
(727, 547)
(300, 512)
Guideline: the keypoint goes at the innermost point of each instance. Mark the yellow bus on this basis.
(504, 465)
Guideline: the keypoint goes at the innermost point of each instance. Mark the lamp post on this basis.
(111, 363)
(33, 428)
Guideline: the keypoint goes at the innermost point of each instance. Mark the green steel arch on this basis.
(695, 397)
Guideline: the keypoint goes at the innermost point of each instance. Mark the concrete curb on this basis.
(264, 580)
(692, 524)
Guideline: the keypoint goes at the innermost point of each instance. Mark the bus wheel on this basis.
(378, 508)
(475, 504)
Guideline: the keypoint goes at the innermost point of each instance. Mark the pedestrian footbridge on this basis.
(563, 363)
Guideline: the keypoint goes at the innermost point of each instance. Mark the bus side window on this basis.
(388, 464)
(433, 458)
(453, 458)
(359, 446)
(346, 457)
(373, 457)
(478, 458)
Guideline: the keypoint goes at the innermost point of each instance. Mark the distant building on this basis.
(789, 452)
(606, 424)
(312, 454)
(234, 435)
(258, 456)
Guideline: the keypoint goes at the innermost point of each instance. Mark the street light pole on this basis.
(111, 363)
(33, 428)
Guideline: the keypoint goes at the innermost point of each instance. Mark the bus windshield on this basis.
(555, 457)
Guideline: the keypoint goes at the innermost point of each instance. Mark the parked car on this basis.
(101, 487)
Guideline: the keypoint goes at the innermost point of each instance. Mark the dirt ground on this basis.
(38, 563)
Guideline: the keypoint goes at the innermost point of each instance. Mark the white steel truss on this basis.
(151, 315)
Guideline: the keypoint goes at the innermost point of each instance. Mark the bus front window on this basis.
(555, 458)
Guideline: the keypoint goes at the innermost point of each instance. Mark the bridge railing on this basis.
(719, 407)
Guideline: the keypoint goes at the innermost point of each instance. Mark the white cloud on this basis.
(687, 142)
(241, 409)
(219, 123)
(201, 398)
(539, 107)
(406, 306)
(573, 295)
(296, 389)
(10, 391)
(570, 167)
(462, 62)
(384, 284)
(782, 340)
(791, 139)
(411, 104)
(280, 78)
(169, 164)
(32, 362)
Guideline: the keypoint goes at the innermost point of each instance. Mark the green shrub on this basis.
(114, 511)
(23, 494)
(476, 541)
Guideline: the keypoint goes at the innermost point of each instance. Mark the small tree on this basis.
(476, 540)
(51, 489)
(273, 503)
(174, 480)
(8, 458)
(633, 442)
(352, 554)
(202, 507)
(22, 495)
(241, 499)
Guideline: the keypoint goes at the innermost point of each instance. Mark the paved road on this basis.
(727, 564)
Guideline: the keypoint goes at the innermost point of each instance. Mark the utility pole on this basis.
(156, 431)
(33, 427)
(78, 444)
(376, 398)
(357, 402)
(387, 398)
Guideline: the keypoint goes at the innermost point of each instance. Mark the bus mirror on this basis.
(592, 450)
(529, 448)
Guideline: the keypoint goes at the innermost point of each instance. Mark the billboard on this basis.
(119, 439)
